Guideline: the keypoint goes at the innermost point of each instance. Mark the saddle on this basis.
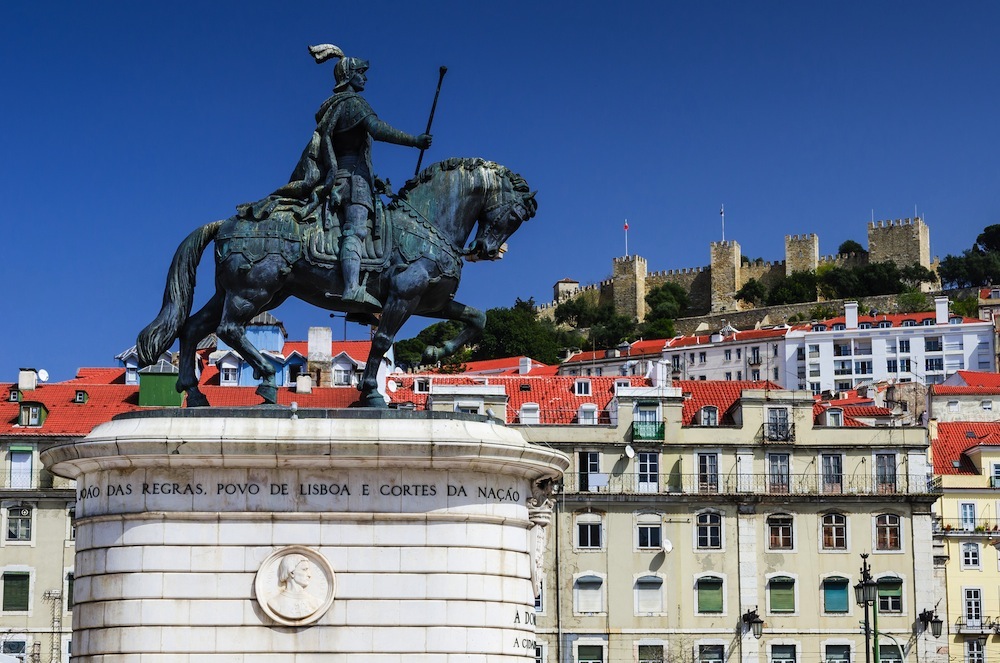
(322, 245)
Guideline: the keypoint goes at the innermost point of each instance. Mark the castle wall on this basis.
(697, 282)
(801, 253)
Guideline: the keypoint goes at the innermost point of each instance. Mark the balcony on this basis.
(966, 526)
(747, 484)
(32, 480)
(975, 625)
(643, 431)
(778, 432)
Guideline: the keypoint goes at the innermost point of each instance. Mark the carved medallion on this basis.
(295, 586)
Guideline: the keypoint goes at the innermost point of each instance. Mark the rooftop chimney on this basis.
(524, 365)
(851, 315)
(661, 374)
(941, 310)
(27, 379)
(320, 361)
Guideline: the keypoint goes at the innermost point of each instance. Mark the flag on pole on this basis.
(626, 224)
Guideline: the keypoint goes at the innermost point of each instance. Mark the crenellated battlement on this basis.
(895, 223)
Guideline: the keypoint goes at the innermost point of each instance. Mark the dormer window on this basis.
(14, 396)
(228, 375)
(865, 325)
(32, 414)
(909, 323)
(709, 416)
(622, 384)
(819, 328)
(835, 417)
(131, 374)
(927, 322)
(884, 324)
(839, 327)
(530, 414)
(581, 388)
(80, 396)
(587, 414)
(422, 386)
(955, 320)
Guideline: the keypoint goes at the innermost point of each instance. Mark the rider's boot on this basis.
(350, 264)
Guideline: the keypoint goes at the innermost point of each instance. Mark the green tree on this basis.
(580, 311)
(966, 306)
(409, 351)
(753, 292)
(793, 289)
(516, 331)
(850, 246)
(913, 301)
(988, 241)
(972, 268)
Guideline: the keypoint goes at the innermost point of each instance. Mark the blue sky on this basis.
(126, 125)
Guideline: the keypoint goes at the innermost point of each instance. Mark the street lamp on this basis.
(754, 622)
(866, 594)
(935, 622)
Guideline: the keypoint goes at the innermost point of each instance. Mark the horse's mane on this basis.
(454, 163)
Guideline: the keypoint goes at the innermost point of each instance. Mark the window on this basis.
(647, 471)
(71, 516)
(711, 653)
(952, 406)
(838, 654)
(588, 530)
(835, 595)
(934, 364)
(709, 526)
(702, 357)
(974, 651)
(31, 415)
(709, 416)
(13, 396)
(777, 427)
(588, 594)
(885, 472)
(987, 406)
(887, 532)
(973, 607)
(69, 590)
(863, 367)
(587, 415)
(20, 468)
(80, 396)
(727, 355)
(834, 531)
(781, 591)
(932, 344)
(739, 352)
(779, 532)
(540, 599)
(341, 376)
(904, 366)
(892, 366)
(590, 654)
(835, 417)
(19, 523)
(539, 654)
(782, 653)
(778, 477)
(708, 473)
(970, 556)
(228, 375)
(904, 345)
(590, 476)
(890, 595)
(967, 515)
(581, 388)
(15, 591)
(648, 595)
(728, 377)
(755, 374)
(649, 530)
(710, 599)
(422, 386)
(833, 473)
(651, 654)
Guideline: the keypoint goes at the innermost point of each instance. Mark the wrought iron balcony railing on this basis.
(732, 484)
(647, 430)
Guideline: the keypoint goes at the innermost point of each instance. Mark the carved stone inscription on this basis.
(305, 489)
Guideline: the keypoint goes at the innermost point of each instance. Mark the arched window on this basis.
(709, 416)
(648, 595)
(709, 531)
(834, 531)
(887, 536)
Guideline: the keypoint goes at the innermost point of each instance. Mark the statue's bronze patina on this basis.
(326, 238)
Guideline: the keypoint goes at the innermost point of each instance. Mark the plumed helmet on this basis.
(345, 69)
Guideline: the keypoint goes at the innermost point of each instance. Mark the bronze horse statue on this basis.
(259, 264)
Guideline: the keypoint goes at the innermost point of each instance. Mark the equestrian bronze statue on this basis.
(327, 238)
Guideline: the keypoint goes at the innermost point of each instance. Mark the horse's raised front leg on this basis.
(237, 312)
(395, 312)
(474, 320)
(197, 327)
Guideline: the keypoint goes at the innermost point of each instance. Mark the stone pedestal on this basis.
(335, 536)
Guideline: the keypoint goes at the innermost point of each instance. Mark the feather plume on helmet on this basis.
(345, 69)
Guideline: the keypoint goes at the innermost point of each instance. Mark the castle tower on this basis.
(801, 253)
(629, 289)
(726, 258)
(564, 289)
(902, 241)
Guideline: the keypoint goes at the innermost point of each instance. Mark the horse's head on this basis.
(505, 210)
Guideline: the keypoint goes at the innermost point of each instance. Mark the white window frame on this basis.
(795, 593)
(725, 585)
(650, 579)
(792, 523)
(721, 526)
(902, 538)
(648, 520)
(589, 520)
(33, 523)
(530, 414)
(581, 388)
(601, 597)
(971, 556)
(19, 568)
(587, 415)
(847, 532)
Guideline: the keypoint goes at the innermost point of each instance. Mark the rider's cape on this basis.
(312, 180)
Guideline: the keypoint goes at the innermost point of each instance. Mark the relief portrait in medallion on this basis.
(295, 586)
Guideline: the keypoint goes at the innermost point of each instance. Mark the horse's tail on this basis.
(160, 334)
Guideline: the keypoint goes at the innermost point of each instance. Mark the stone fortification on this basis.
(712, 288)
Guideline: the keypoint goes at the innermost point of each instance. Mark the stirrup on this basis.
(359, 295)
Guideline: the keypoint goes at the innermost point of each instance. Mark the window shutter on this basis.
(835, 595)
(890, 588)
(710, 595)
(15, 591)
(648, 596)
(782, 595)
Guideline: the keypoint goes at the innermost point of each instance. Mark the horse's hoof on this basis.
(196, 399)
(268, 392)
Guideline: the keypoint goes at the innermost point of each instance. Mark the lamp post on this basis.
(753, 621)
(930, 618)
(866, 594)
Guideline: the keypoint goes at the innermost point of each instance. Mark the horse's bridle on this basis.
(514, 207)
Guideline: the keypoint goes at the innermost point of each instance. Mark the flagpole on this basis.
(722, 213)
(626, 238)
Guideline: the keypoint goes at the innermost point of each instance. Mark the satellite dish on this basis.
(391, 386)
(629, 451)
(667, 546)
(43, 375)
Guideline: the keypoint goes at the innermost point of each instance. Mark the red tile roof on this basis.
(979, 378)
(954, 438)
(895, 318)
(507, 365)
(722, 394)
(356, 350)
(636, 349)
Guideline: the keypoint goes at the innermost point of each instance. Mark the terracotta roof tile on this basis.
(954, 438)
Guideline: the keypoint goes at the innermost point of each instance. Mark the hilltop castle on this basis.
(712, 289)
